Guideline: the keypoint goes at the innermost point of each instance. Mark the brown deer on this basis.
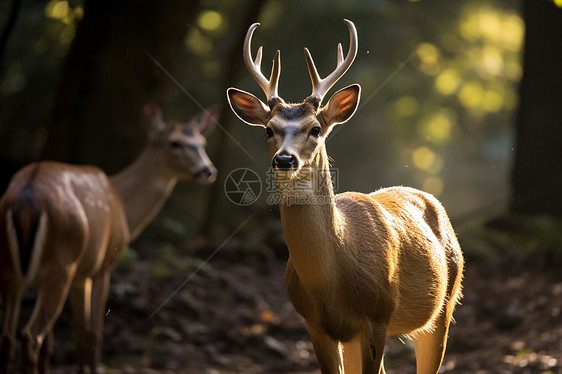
(361, 266)
(63, 228)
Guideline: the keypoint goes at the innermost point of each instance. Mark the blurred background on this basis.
(439, 89)
(460, 99)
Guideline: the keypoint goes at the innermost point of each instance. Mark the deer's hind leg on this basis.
(11, 297)
(430, 345)
(80, 300)
(51, 295)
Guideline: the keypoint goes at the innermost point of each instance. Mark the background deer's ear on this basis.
(152, 118)
(342, 105)
(248, 108)
(207, 120)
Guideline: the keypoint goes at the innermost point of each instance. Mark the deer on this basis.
(63, 228)
(361, 267)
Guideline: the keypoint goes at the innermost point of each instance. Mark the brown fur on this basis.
(66, 227)
(365, 266)
(394, 262)
(361, 266)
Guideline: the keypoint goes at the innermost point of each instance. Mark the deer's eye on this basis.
(269, 132)
(316, 131)
(175, 144)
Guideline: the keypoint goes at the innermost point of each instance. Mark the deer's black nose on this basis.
(283, 161)
(207, 172)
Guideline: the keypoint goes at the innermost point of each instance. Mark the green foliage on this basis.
(537, 233)
(160, 271)
(128, 257)
(147, 356)
(50, 32)
(520, 236)
(476, 241)
(175, 226)
(168, 262)
(165, 260)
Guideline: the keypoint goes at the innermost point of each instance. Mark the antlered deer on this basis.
(361, 266)
(63, 228)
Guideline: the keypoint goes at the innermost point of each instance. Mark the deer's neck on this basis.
(143, 190)
(311, 222)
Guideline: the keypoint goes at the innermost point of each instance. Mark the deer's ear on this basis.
(152, 117)
(207, 120)
(342, 105)
(248, 108)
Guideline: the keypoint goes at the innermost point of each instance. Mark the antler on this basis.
(269, 87)
(321, 86)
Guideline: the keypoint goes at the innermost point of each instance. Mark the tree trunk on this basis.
(537, 172)
(233, 63)
(108, 76)
(8, 29)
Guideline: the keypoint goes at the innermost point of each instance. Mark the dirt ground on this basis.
(233, 316)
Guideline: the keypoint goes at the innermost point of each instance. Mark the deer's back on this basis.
(79, 204)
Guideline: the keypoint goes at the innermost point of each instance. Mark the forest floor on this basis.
(233, 316)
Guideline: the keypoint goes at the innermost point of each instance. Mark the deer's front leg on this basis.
(373, 363)
(327, 350)
(45, 353)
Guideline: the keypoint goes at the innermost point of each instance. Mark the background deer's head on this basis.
(183, 143)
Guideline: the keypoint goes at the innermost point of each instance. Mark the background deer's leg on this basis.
(80, 300)
(46, 353)
(11, 297)
(51, 295)
(100, 291)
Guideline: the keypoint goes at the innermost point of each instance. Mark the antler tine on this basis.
(257, 62)
(269, 87)
(340, 55)
(321, 86)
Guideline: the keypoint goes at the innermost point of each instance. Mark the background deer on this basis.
(361, 266)
(63, 228)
